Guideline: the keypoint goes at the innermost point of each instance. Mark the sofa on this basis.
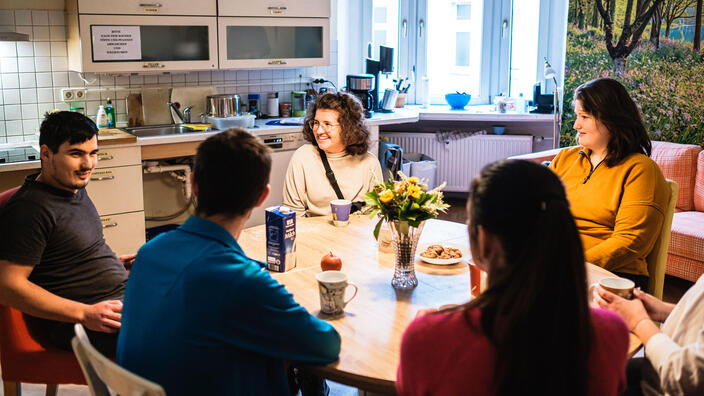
(683, 163)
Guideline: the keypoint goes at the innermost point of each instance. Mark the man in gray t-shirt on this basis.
(54, 262)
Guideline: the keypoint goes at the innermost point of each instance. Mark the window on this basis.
(481, 47)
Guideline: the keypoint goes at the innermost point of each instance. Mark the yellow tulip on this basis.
(386, 196)
(413, 180)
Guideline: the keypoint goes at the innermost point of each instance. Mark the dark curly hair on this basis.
(354, 134)
(608, 101)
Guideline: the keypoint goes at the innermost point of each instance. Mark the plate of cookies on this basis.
(442, 253)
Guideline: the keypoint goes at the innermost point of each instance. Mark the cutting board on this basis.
(154, 106)
(135, 116)
(194, 97)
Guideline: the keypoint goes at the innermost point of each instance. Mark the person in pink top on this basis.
(531, 331)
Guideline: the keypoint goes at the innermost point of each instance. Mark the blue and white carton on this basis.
(280, 238)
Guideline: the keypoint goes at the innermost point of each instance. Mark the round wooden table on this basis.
(373, 323)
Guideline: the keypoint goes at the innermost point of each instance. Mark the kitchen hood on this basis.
(13, 36)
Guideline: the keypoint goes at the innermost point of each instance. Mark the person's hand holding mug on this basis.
(632, 311)
(657, 310)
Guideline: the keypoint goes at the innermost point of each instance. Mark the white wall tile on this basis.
(123, 81)
(57, 33)
(60, 79)
(25, 30)
(230, 75)
(43, 108)
(8, 49)
(29, 111)
(8, 65)
(30, 126)
(2, 131)
(106, 80)
(26, 64)
(151, 79)
(42, 48)
(23, 17)
(93, 94)
(40, 33)
(40, 17)
(57, 17)
(42, 63)
(13, 112)
(105, 94)
(192, 77)
(58, 48)
(165, 79)
(15, 139)
(242, 75)
(25, 48)
(44, 79)
(59, 63)
(28, 95)
(10, 81)
(27, 80)
(7, 17)
(2, 110)
(45, 95)
(178, 78)
(204, 76)
(13, 128)
(217, 75)
(74, 80)
(136, 80)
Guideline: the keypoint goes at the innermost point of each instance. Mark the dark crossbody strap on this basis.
(330, 174)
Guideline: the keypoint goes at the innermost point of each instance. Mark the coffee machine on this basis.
(362, 86)
(376, 67)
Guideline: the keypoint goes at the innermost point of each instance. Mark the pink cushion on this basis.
(687, 237)
(684, 268)
(699, 184)
(678, 162)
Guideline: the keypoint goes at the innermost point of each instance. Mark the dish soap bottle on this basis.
(110, 112)
(101, 119)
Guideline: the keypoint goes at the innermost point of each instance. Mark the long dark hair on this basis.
(608, 101)
(354, 133)
(534, 310)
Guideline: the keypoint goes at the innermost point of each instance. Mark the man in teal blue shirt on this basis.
(199, 316)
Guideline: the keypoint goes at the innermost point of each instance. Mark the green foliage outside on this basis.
(666, 83)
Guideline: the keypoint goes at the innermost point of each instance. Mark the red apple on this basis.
(330, 262)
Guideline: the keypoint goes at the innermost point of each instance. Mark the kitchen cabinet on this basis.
(275, 8)
(146, 7)
(137, 43)
(116, 190)
(273, 42)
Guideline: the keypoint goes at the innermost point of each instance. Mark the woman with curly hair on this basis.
(335, 129)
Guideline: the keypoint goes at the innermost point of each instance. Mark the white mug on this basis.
(621, 287)
(332, 286)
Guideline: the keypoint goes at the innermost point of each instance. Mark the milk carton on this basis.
(280, 238)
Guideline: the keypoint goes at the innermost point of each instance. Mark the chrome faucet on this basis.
(185, 117)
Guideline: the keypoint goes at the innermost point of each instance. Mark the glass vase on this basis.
(404, 239)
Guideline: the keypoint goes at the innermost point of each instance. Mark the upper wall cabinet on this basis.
(274, 8)
(273, 42)
(146, 7)
(135, 43)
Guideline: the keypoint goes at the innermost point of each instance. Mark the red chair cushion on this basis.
(5, 196)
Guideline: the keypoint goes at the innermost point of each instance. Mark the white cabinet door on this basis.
(136, 43)
(118, 156)
(273, 42)
(116, 190)
(124, 233)
(147, 7)
(275, 8)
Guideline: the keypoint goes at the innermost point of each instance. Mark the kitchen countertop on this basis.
(407, 114)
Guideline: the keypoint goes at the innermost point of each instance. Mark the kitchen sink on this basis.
(161, 130)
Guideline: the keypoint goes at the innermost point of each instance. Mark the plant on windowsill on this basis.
(404, 205)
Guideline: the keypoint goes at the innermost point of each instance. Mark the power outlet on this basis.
(72, 95)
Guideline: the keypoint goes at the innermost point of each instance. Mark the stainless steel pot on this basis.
(227, 105)
(360, 82)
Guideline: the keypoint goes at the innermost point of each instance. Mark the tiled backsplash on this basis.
(34, 72)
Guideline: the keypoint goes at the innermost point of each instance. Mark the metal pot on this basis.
(227, 105)
(360, 82)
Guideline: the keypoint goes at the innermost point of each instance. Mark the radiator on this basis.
(460, 160)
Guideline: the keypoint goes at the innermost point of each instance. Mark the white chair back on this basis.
(103, 375)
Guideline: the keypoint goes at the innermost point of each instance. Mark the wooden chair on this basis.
(657, 259)
(104, 375)
(24, 358)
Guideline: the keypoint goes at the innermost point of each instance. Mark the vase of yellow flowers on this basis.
(405, 205)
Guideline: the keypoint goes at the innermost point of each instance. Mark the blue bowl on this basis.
(457, 101)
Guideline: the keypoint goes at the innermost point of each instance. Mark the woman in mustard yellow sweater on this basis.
(617, 193)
